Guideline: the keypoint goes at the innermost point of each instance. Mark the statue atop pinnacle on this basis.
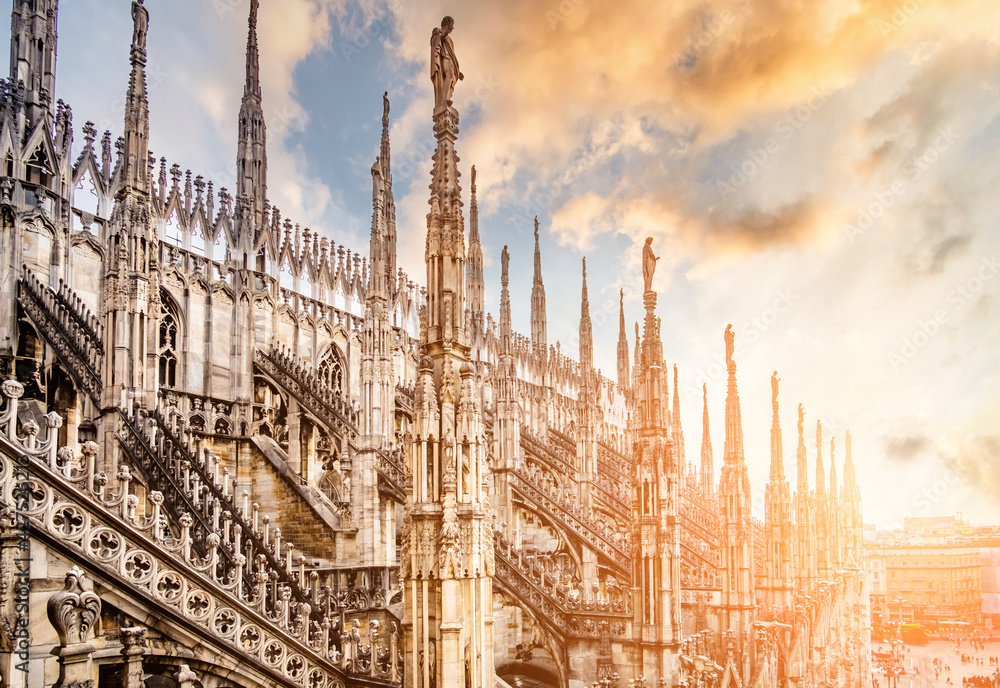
(648, 264)
(444, 64)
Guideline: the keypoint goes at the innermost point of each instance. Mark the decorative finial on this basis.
(730, 344)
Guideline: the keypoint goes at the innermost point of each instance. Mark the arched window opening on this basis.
(38, 170)
(168, 349)
(331, 370)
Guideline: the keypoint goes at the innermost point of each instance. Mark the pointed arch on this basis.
(168, 341)
(87, 195)
(172, 232)
(198, 238)
(332, 368)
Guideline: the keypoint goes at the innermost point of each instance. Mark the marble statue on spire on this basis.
(140, 18)
(774, 387)
(385, 106)
(648, 264)
(730, 344)
(801, 418)
(444, 65)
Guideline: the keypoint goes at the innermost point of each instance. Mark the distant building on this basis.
(915, 582)
(990, 591)
(937, 526)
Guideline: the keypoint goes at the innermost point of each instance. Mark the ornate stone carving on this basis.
(73, 610)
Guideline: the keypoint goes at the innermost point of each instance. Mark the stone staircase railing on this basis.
(759, 546)
(546, 452)
(562, 440)
(611, 493)
(124, 533)
(209, 495)
(696, 558)
(391, 468)
(301, 381)
(405, 396)
(572, 611)
(150, 457)
(700, 510)
(67, 325)
(614, 546)
(697, 530)
(616, 467)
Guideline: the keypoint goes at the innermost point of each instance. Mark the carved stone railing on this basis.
(72, 332)
(697, 530)
(759, 547)
(697, 574)
(123, 534)
(616, 466)
(562, 440)
(559, 507)
(209, 494)
(700, 510)
(569, 611)
(611, 494)
(405, 397)
(391, 469)
(696, 558)
(151, 459)
(699, 665)
(549, 453)
(78, 311)
(329, 405)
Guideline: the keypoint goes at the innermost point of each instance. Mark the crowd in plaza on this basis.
(895, 660)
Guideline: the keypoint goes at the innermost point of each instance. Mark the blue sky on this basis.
(821, 175)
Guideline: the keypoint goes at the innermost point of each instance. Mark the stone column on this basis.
(73, 611)
(132, 647)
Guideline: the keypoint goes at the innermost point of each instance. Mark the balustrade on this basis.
(72, 332)
(239, 589)
(330, 405)
(561, 506)
(550, 591)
